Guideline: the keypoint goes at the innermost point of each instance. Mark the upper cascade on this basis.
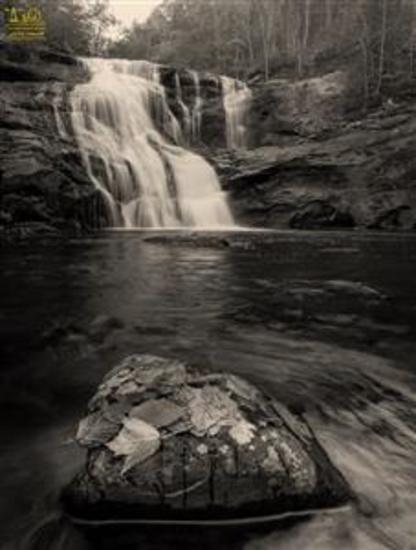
(132, 147)
(237, 97)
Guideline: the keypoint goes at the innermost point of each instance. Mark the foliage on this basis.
(245, 38)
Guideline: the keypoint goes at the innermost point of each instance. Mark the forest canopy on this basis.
(249, 39)
(244, 38)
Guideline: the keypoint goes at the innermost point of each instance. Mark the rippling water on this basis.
(290, 317)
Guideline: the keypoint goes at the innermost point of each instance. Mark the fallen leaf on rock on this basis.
(137, 441)
(241, 388)
(158, 412)
(211, 407)
(96, 429)
(150, 370)
(127, 388)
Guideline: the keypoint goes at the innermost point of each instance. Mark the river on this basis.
(325, 321)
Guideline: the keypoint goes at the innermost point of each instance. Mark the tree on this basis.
(372, 39)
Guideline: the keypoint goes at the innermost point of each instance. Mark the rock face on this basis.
(360, 174)
(42, 182)
(317, 161)
(44, 185)
(196, 92)
(304, 108)
(309, 167)
(166, 440)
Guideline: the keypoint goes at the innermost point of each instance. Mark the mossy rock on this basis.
(173, 442)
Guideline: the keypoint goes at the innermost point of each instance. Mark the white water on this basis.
(186, 115)
(236, 97)
(197, 108)
(145, 180)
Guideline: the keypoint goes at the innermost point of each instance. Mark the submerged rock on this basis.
(167, 440)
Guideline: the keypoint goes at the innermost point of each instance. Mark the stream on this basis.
(325, 321)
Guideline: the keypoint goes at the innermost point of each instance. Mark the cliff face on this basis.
(205, 88)
(42, 183)
(282, 109)
(314, 169)
(308, 166)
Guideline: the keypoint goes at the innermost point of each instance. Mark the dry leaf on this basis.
(211, 407)
(241, 388)
(137, 441)
(158, 412)
(96, 429)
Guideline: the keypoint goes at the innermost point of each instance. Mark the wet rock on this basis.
(168, 440)
(59, 332)
(311, 168)
(319, 214)
(306, 107)
(38, 184)
(102, 326)
(355, 288)
(26, 231)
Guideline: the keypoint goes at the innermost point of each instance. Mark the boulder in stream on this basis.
(173, 442)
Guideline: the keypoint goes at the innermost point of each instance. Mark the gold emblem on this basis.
(25, 24)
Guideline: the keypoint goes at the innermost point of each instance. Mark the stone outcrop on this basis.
(310, 165)
(42, 182)
(212, 124)
(166, 440)
(284, 108)
(360, 174)
(44, 187)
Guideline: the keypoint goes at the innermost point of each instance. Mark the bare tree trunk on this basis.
(328, 14)
(247, 26)
(307, 23)
(382, 53)
(411, 40)
(306, 28)
(363, 45)
(262, 15)
(214, 12)
(266, 56)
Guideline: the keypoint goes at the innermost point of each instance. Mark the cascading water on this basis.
(197, 108)
(186, 115)
(236, 97)
(145, 180)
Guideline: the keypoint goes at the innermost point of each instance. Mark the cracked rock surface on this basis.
(168, 440)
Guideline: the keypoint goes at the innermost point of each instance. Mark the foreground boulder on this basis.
(168, 441)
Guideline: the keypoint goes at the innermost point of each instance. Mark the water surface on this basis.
(324, 321)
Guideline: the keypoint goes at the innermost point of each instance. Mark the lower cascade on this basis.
(146, 180)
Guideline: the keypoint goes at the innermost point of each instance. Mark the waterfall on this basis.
(197, 108)
(236, 97)
(186, 115)
(147, 181)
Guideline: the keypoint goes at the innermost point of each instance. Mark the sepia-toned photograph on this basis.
(208, 274)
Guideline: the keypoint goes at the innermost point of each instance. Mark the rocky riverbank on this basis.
(314, 161)
(318, 166)
(363, 177)
(43, 188)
